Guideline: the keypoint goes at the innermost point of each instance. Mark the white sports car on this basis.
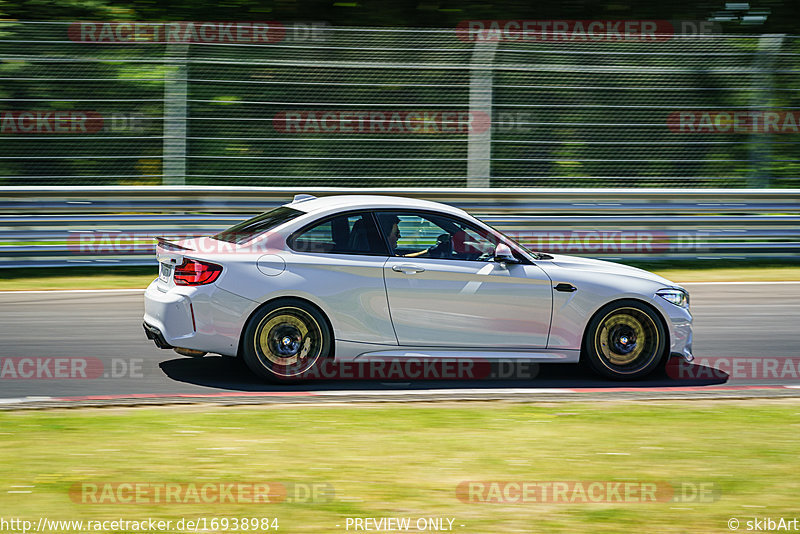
(359, 277)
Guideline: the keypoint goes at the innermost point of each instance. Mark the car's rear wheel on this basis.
(625, 340)
(285, 340)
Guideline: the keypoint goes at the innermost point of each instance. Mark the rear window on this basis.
(247, 230)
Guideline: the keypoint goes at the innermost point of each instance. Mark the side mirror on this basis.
(502, 254)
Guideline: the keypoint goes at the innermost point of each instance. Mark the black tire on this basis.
(285, 340)
(625, 340)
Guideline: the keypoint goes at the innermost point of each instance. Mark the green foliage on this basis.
(578, 113)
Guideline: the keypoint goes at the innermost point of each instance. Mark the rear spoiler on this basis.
(167, 252)
(166, 245)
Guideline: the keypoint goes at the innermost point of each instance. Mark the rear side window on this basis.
(352, 233)
(247, 230)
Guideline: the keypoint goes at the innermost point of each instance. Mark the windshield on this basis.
(536, 255)
(247, 230)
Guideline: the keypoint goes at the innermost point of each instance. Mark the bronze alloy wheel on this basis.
(285, 341)
(625, 340)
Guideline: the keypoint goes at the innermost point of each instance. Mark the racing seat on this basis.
(340, 234)
(359, 237)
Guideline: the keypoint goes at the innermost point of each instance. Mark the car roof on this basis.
(335, 203)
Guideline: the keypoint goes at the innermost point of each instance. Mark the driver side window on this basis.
(422, 235)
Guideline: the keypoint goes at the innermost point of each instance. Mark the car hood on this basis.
(589, 264)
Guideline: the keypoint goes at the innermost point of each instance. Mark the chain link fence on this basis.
(314, 105)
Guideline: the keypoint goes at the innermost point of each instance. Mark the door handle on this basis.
(407, 268)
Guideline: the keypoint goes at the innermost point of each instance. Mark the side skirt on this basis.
(350, 351)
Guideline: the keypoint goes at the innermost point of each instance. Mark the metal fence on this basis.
(241, 104)
(61, 226)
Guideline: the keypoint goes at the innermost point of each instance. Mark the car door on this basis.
(444, 289)
(338, 261)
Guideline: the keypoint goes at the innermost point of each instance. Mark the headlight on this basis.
(678, 297)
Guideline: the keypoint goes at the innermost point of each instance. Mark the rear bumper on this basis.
(167, 316)
(205, 318)
(155, 334)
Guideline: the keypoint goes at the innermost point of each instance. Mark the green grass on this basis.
(140, 277)
(732, 274)
(77, 278)
(396, 460)
(724, 270)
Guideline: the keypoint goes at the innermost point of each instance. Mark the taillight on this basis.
(196, 273)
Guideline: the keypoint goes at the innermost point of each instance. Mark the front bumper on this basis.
(680, 321)
(687, 355)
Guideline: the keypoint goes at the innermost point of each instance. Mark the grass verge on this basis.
(393, 460)
(77, 278)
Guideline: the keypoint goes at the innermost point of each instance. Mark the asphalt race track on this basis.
(742, 323)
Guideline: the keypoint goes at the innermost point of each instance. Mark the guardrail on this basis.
(60, 226)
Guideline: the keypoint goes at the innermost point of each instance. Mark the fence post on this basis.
(761, 100)
(175, 95)
(479, 142)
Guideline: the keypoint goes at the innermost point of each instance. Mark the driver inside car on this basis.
(390, 226)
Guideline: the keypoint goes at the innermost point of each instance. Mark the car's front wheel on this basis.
(285, 340)
(625, 340)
